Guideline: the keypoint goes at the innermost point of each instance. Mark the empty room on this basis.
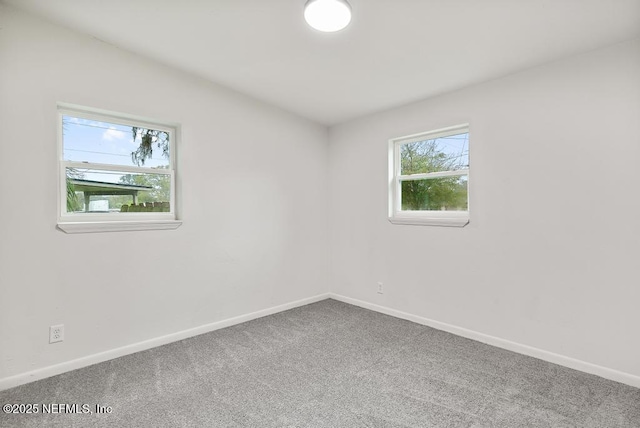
(320, 213)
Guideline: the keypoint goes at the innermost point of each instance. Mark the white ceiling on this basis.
(393, 52)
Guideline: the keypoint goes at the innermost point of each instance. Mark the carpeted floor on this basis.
(329, 364)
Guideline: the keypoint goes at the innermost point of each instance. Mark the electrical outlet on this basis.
(56, 333)
(380, 288)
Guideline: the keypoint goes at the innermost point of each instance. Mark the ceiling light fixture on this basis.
(327, 15)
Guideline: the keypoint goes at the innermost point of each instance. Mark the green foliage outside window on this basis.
(73, 202)
(445, 193)
(149, 137)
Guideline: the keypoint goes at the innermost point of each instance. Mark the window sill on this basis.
(117, 226)
(453, 221)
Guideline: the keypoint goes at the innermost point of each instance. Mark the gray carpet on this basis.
(329, 364)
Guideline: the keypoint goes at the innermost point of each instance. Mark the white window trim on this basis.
(117, 226)
(90, 223)
(423, 218)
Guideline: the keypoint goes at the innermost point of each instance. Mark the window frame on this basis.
(85, 223)
(425, 218)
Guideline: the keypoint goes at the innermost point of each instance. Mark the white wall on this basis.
(253, 236)
(550, 257)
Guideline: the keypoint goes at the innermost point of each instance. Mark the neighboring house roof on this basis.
(108, 188)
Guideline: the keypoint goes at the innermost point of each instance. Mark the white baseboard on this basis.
(551, 357)
(607, 373)
(22, 378)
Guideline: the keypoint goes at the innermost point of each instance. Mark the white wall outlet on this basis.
(380, 288)
(56, 333)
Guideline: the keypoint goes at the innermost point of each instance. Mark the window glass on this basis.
(91, 190)
(449, 153)
(435, 194)
(94, 141)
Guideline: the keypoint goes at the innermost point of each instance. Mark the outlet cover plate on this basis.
(56, 333)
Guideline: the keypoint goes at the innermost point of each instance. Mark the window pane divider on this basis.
(118, 168)
(438, 174)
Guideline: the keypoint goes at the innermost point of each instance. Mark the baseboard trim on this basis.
(45, 372)
(551, 357)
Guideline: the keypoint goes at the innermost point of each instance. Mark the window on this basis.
(117, 172)
(429, 178)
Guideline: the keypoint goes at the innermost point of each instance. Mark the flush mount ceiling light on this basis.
(327, 15)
